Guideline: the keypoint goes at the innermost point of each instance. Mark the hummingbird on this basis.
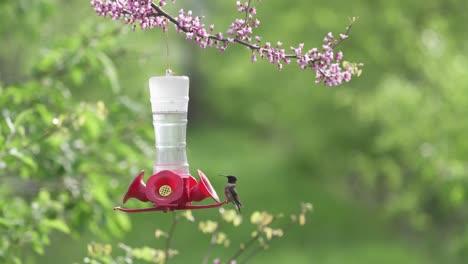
(231, 193)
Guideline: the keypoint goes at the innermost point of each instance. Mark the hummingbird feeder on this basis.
(171, 187)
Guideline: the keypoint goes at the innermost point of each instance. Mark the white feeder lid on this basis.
(169, 93)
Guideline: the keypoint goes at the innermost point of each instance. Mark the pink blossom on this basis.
(254, 57)
(256, 23)
(253, 11)
(240, 7)
(339, 56)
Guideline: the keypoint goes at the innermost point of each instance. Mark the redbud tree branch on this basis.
(325, 61)
(160, 12)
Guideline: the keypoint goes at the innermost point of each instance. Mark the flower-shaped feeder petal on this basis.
(136, 189)
(203, 189)
(169, 191)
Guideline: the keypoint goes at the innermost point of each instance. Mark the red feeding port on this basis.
(164, 187)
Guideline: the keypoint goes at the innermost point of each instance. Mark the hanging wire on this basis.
(168, 63)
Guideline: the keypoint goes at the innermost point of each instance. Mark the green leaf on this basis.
(57, 224)
(2, 138)
(123, 222)
(45, 113)
(77, 76)
(38, 248)
(5, 222)
(92, 124)
(110, 71)
(27, 160)
(17, 260)
(36, 243)
(22, 117)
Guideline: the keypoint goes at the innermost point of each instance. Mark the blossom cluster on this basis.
(149, 14)
(132, 11)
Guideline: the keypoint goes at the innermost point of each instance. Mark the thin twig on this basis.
(244, 248)
(170, 236)
(212, 244)
(348, 29)
(251, 255)
(247, 12)
(258, 249)
(249, 243)
(42, 137)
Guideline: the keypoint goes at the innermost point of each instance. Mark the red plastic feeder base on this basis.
(170, 191)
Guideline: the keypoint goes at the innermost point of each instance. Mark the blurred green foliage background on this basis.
(383, 158)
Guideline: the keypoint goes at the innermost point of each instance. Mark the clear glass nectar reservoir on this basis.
(169, 133)
(169, 104)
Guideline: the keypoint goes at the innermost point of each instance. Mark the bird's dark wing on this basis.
(236, 198)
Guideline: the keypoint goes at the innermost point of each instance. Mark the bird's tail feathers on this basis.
(238, 206)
